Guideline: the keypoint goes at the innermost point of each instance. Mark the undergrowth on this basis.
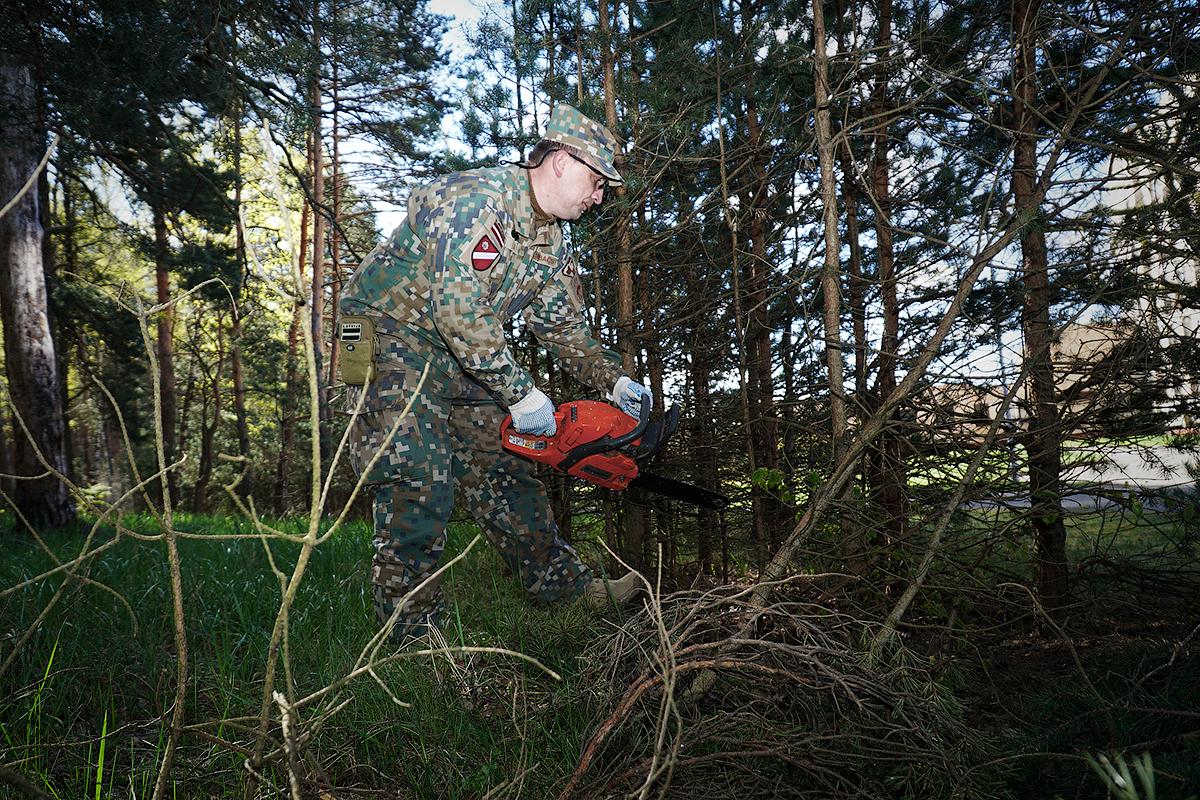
(99, 674)
(84, 707)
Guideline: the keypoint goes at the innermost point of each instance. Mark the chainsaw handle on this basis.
(603, 445)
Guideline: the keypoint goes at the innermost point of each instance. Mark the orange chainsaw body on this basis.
(582, 426)
(580, 422)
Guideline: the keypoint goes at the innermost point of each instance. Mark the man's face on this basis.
(578, 187)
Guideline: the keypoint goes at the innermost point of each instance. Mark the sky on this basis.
(463, 12)
(464, 16)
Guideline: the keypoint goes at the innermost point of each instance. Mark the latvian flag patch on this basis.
(486, 252)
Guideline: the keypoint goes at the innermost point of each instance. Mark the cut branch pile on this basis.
(798, 710)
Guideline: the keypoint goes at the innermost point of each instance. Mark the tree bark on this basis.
(30, 361)
(208, 430)
(856, 296)
(318, 238)
(518, 74)
(831, 277)
(50, 269)
(184, 400)
(857, 287)
(886, 461)
(579, 60)
(625, 332)
(765, 431)
(287, 413)
(335, 257)
(700, 423)
(246, 485)
(287, 405)
(6, 458)
(635, 522)
(165, 347)
(1043, 438)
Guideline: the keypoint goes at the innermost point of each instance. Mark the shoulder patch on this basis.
(476, 237)
(485, 253)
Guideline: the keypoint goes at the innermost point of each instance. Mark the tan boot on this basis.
(602, 591)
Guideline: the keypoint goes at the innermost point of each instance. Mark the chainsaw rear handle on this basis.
(607, 443)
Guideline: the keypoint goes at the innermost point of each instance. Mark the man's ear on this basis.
(558, 160)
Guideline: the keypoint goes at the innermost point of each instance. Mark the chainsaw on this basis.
(605, 446)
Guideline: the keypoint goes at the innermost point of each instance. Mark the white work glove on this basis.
(627, 396)
(534, 414)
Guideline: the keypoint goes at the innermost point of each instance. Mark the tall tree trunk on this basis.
(765, 433)
(654, 368)
(50, 269)
(579, 52)
(745, 376)
(518, 74)
(855, 536)
(856, 283)
(335, 237)
(30, 360)
(165, 347)
(88, 439)
(115, 456)
(246, 486)
(287, 414)
(635, 540)
(831, 276)
(788, 348)
(700, 423)
(287, 403)
(886, 460)
(184, 402)
(550, 44)
(317, 305)
(1042, 440)
(856, 296)
(625, 334)
(208, 430)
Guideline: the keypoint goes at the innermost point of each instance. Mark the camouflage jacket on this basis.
(466, 261)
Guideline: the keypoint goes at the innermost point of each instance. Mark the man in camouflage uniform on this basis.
(477, 248)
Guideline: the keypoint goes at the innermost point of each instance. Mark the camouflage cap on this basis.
(569, 126)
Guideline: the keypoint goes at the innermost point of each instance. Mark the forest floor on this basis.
(83, 707)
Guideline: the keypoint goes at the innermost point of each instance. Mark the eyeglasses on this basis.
(603, 178)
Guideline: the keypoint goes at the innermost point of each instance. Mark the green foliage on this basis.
(774, 481)
(95, 665)
(1137, 696)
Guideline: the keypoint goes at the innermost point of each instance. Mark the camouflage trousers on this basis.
(448, 445)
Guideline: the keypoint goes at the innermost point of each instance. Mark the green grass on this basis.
(83, 707)
(948, 466)
(1134, 535)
